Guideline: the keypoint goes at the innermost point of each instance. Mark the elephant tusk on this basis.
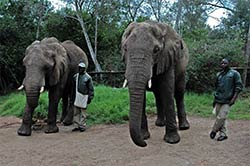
(125, 83)
(42, 89)
(150, 83)
(21, 87)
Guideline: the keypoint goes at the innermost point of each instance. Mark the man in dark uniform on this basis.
(228, 85)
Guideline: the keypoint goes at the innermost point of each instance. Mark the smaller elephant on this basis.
(156, 59)
(50, 64)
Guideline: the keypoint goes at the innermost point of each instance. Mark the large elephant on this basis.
(49, 64)
(156, 58)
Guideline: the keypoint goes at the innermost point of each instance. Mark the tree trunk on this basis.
(177, 21)
(96, 26)
(92, 54)
(96, 33)
(247, 54)
(38, 28)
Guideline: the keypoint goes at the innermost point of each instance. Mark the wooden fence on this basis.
(111, 78)
(116, 78)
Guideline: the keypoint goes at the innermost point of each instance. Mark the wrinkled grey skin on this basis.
(51, 64)
(155, 51)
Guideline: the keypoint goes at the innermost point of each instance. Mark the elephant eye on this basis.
(156, 49)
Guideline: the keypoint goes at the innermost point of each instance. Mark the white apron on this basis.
(80, 100)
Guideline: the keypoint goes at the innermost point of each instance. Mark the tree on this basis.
(238, 20)
(16, 33)
(131, 9)
(178, 16)
(39, 9)
(160, 9)
(79, 9)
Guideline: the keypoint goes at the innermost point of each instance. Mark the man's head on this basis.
(224, 64)
(82, 68)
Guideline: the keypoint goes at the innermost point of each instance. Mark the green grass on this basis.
(14, 103)
(201, 105)
(110, 105)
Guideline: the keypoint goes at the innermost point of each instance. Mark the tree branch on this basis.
(218, 6)
(75, 18)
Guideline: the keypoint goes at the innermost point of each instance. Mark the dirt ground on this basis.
(110, 145)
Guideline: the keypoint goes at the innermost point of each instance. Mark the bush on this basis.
(205, 56)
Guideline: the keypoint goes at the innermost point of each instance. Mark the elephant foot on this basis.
(184, 124)
(159, 122)
(24, 130)
(172, 137)
(145, 134)
(51, 129)
(67, 123)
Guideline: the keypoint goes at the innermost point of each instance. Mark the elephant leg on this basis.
(67, 112)
(144, 122)
(65, 102)
(179, 98)
(25, 128)
(54, 97)
(68, 120)
(171, 134)
(160, 121)
(167, 92)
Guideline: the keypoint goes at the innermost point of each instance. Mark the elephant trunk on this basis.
(32, 98)
(138, 73)
(137, 91)
(34, 85)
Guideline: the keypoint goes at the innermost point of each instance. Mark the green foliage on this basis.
(205, 56)
(111, 105)
(239, 18)
(18, 26)
(63, 28)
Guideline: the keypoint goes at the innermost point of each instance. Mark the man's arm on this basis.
(215, 87)
(90, 90)
(73, 89)
(234, 98)
(238, 87)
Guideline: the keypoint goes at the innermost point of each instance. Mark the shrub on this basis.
(205, 56)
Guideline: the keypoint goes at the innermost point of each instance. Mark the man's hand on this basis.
(214, 103)
(233, 99)
(232, 102)
(89, 101)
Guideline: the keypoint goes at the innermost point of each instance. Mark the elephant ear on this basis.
(173, 48)
(180, 49)
(56, 53)
(60, 65)
(125, 35)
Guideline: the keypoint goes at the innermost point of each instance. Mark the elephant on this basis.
(156, 58)
(50, 64)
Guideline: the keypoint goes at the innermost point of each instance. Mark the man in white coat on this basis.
(84, 93)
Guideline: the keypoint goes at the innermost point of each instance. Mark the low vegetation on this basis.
(111, 105)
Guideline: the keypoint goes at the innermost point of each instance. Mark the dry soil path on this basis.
(110, 145)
